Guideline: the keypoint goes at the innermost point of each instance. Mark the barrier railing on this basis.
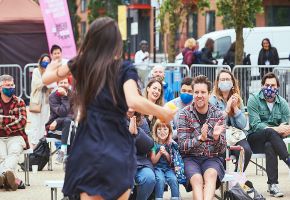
(283, 74)
(208, 70)
(16, 72)
(174, 73)
(249, 77)
(27, 72)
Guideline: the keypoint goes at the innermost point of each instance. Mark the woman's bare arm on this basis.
(54, 72)
(142, 105)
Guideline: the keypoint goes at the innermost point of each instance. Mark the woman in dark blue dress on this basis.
(102, 163)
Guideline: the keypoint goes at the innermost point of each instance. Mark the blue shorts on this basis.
(198, 165)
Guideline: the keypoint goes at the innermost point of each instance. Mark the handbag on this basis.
(234, 135)
(35, 107)
(178, 163)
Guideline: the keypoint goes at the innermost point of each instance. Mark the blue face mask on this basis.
(225, 86)
(44, 64)
(186, 98)
(8, 91)
(269, 92)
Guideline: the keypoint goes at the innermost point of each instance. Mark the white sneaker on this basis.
(274, 190)
(59, 158)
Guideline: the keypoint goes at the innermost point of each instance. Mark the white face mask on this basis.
(225, 86)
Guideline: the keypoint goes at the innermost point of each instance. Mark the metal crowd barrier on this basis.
(16, 72)
(283, 74)
(208, 70)
(249, 78)
(28, 69)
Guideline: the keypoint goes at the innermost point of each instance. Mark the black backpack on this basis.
(40, 156)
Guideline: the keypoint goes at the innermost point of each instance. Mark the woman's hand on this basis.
(132, 126)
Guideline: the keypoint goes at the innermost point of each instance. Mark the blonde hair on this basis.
(158, 124)
(190, 43)
(235, 89)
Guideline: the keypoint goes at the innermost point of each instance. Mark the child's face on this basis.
(162, 132)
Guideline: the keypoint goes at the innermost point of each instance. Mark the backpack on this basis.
(40, 156)
(188, 58)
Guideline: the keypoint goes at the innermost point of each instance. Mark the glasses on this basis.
(225, 79)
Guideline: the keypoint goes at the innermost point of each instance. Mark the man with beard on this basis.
(13, 138)
(202, 141)
(269, 117)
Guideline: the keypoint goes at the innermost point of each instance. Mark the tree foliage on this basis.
(172, 13)
(99, 8)
(75, 19)
(238, 14)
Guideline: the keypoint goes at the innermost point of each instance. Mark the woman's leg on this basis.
(196, 182)
(85, 196)
(210, 177)
(145, 183)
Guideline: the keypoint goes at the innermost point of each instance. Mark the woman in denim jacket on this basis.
(226, 97)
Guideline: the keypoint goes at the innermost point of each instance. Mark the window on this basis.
(83, 5)
(210, 21)
(83, 29)
(192, 25)
(221, 46)
(278, 16)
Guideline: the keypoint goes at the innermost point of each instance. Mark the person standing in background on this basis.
(268, 56)
(39, 96)
(142, 56)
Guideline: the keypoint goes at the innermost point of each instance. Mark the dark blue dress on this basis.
(103, 157)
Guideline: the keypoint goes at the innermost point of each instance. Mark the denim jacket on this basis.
(238, 120)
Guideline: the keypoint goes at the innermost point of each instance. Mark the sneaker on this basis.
(274, 190)
(10, 181)
(59, 158)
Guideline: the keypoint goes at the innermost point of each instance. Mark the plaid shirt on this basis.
(189, 128)
(14, 123)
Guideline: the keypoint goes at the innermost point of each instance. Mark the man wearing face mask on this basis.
(13, 139)
(185, 99)
(269, 117)
(158, 73)
(61, 115)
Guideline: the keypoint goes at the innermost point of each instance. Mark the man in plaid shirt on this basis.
(13, 138)
(201, 138)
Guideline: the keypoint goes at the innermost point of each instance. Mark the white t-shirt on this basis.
(140, 55)
(270, 106)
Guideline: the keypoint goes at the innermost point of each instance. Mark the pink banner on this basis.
(58, 26)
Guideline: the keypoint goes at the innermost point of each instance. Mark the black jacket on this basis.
(271, 55)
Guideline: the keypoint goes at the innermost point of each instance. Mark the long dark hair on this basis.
(97, 63)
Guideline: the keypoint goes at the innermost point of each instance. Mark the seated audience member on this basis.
(202, 141)
(61, 115)
(161, 159)
(269, 117)
(154, 93)
(158, 73)
(13, 139)
(226, 97)
(145, 176)
(185, 98)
